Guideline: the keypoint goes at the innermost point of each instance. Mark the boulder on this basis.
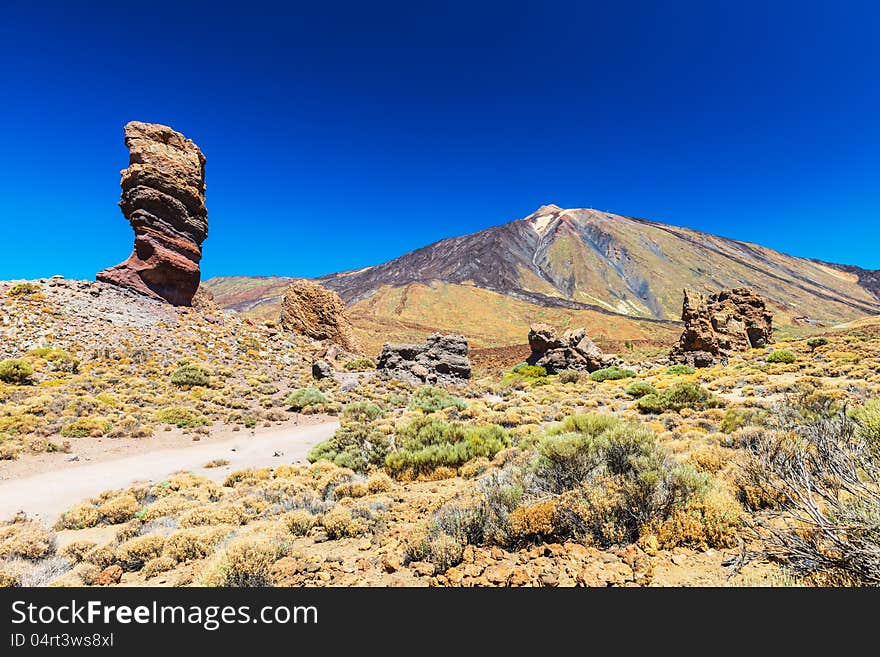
(573, 350)
(442, 359)
(318, 313)
(721, 324)
(321, 370)
(163, 198)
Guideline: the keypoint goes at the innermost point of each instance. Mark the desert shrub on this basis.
(781, 356)
(304, 398)
(192, 543)
(86, 427)
(246, 562)
(157, 565)
(75, 552)
(443, 540)
(641, 389)
(590, 424)
(737, 418)
(109, 508)
(534, 522)
(431, 399)
(710, 518)
(299, 521)
(429, 442)
(339, 522)
(867, 419)
(357, 443)
(362, 411)
(612, 373)
(361, 364)
(132, 554)
(815, 343)
(23, 289)
(824, 472)
(680, 369)
(182, 417)
(379, 482)
(190, 376)
(688, 395)
(26, 539)
(118, 509)
(569, 376)
(15, 370)
(58, 359)
(530, 371)
(438, 548)
(684, 395)
(566, 459)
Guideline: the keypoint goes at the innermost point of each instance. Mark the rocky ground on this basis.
(511, 480)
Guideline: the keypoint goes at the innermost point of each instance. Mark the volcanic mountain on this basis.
(621, 277)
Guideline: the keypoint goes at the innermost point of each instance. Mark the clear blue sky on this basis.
(340, 135)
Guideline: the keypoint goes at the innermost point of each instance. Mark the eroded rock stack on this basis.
(318, 313)
(163, 197)
(442, 359)
(573, 350)
(721, 324)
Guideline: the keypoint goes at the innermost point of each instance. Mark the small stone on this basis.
(110, 575)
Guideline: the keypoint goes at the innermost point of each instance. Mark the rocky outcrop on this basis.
(163, 198)
(318, 313)
(442, 359)
(573, 350)
(721, 324)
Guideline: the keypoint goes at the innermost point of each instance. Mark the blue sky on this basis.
(343, 135)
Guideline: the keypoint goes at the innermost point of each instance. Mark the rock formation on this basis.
(721, 324)
(573, 350)
(442, 359)
(318, 313)
(163, 197)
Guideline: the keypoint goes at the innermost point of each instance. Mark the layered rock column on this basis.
(163, 198)
(721, 324)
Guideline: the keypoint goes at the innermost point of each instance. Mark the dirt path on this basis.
(49, 493)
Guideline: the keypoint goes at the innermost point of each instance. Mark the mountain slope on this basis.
(577, 258)
(559, 264)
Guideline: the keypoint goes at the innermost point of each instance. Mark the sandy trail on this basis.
(48, 494)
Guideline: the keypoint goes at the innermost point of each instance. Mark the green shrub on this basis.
(190, 376)
(360, 365)
(569, 376)
(85, 427)
(612, 373)
(651, 403)
(737, 418)
(58, 359)
(684, 395)
(181, 416)
(303, 398)
(430, 399)
(429, 442)
(15, 370)
(815, 343)
(640, 389)
(530, 371)
(688, 395)
(22, 289)
(357, 444)
(362, 411)
(867, 419)
(781, 356)
(680, 369)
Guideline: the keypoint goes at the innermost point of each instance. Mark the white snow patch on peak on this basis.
(541, 223)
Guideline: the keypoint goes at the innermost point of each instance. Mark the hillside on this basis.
(570, 266)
